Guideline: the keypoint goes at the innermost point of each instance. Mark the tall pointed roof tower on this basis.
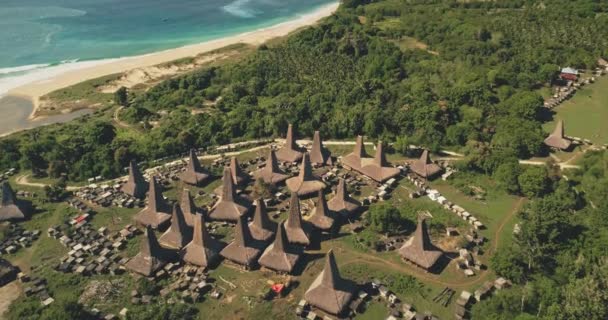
(230, 206)
(136, 185)
(10, 208)
(290, 152)
(419, 249)
(194, 174)
(151, 256)
(318, 154)
(157, 213)
(262, 228)
(321, 217)
(557, 138)
(305, 183)
(203, 250)
(244, 250)
(330, 292)
(271, 172)
(342, 202)
(280, 255)
(297, 230)
(179, 234)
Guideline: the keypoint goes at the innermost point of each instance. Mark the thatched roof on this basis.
(297, 230)
(318, 154)
(419, 249)
(244, 250)
(376, 168)
(179, 234)
(290, 152)
(329, 292)
(305, 183)
(157, 213)
(342, 202)
(203, 250)
(188, 207)
(321, 216)
(151, 256)
(271, 172)
(280, 256)
(262, 228)
(10, 207)
(424, 167)
(557, 139)
(238, 176)
(230, 206)
(136, 186)
(195, 174)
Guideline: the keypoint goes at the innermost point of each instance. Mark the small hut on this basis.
(557, 139)
(330, 292)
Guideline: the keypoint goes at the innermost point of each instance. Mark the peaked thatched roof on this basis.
(280, 256)
(238, 176)
(179, 234)
(136, 186)
(195, 174)
(305, 183)
(342, 202)
(290, 152)
(10, 207)
(151, 256)
(244, 249)
(203, 250)
(262, 228)
(157, 213)
(419, 249)
(321, 216)
(230, 206)
(189, 207)
(329, 292)
(376, 168)
(297, 230)
(424, 167)
(271, 172)
(557, 139)
(318, 154)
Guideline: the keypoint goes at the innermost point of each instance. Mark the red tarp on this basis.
(277, 288)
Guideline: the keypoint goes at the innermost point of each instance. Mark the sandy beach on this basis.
(34, 90)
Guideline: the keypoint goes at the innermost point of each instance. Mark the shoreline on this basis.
(38, 88)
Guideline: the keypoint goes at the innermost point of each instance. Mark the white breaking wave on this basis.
(22, 68)
(240, 9)
(42, 72)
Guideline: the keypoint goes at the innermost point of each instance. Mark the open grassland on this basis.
(586, 113)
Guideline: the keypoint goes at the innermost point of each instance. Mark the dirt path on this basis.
(116, 118)
(23, 180)
(8, 294)
(366, 258)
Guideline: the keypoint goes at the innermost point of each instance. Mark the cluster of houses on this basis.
(464, 301)
(16, 238)
(37, 287)
(92, 251)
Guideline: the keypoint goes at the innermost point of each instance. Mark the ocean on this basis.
(61, 35)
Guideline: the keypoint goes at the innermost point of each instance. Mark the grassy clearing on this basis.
(586, 113)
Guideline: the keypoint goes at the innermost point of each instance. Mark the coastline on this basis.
(36, 89)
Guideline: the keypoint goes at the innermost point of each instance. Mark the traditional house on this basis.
(321, 216)
(329, 292)
(271, 173)
(280, 255)
(375, 168)
(244, 250)
(569, 74)
(297, 229)
(290, 152)
(419, 249)
(341, 202)
(305, 183)
(189, 207)
(151, 256)
(424, 167)
(11, 208)
(203, 250)
(557, 139)
(231, 206)
(157, 213)
(179, 234)
(262, 228)
(238, 176)
(318, 154)
(195, 174)
(136, 185)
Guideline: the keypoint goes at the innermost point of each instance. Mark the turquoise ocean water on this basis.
(43, 38)
(41, 33)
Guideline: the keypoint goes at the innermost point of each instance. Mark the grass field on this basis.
(586, 113)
